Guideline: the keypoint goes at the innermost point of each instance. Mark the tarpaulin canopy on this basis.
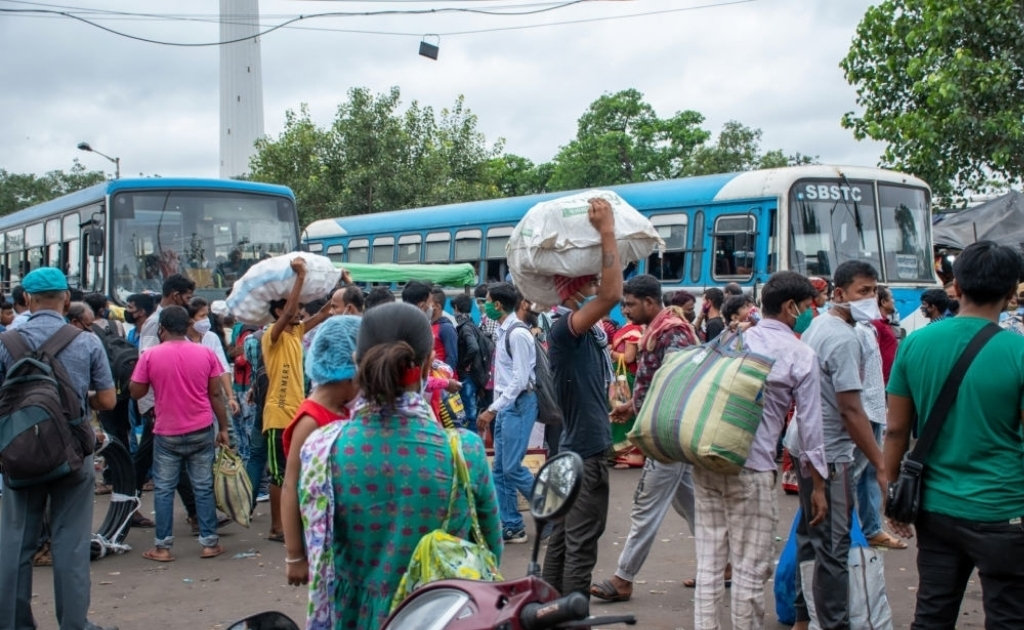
(459, 275)
(1000, 220)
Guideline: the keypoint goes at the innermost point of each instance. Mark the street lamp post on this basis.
(84, 146)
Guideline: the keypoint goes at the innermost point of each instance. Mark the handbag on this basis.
(441, 555)
(704, 406)
(904, 496)
(232, 489)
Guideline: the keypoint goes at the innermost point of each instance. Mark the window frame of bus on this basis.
(469, 235)
(53, 243)
(16, 255)
(438, 237)
(384, 243)
(336, 253)
(697, 257)
(71, 231)
(891, 268)
(359, 246)
(670, 220)
(35, 240)
(415, 241)
(751, 233)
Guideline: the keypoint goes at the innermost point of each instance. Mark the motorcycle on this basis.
(528, 603)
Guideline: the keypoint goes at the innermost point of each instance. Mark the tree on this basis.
(19, 191)
(738, 148)
(942, 83)
(620, 139)
(514, 176)
(374, 157)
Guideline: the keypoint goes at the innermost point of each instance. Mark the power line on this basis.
(291, 22)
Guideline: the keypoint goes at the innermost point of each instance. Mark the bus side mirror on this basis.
(94, 235)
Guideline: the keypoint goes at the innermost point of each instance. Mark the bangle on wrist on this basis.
(294, 560)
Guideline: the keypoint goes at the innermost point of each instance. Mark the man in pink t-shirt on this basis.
(185, 378)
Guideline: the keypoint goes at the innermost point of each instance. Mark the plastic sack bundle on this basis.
(272, 279)
(232, 489)
(556, 238)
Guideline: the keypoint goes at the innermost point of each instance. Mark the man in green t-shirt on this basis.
(973, 497)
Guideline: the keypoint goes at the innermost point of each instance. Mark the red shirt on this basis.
(887, 345)
(316, 411)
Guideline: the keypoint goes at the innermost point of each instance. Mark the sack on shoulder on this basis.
(232, 489)
(704, 406)
(43, 433)
(441, 555)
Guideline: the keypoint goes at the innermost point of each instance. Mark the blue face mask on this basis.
(586, 299)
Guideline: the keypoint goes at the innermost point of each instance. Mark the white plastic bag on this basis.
(272, 279)
(869, 606)
(556, 238)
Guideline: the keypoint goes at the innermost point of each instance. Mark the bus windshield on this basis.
(832, 222)
(211, 237)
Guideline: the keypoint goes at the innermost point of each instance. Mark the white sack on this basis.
(556, 238)
(273, 279)
(869, 605)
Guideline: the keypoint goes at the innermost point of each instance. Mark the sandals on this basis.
(276, 537)
(156, 556)
(211, 552)
(607, 591)
(141, 521)
(102, 488)
(885, 540)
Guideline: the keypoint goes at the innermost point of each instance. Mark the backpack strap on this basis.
(59, 340)
(15, 344)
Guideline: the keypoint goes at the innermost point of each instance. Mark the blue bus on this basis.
(127, 235)
(734, 227)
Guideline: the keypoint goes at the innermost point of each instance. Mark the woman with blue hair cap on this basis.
(330, 362)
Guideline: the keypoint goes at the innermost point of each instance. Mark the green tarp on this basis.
(460, 275)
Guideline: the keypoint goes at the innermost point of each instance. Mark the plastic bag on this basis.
(272, 279)
(232, 489)
(556, 238)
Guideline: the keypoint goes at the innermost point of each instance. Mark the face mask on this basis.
(129, 318)
(429, 313)
(492, 311)
(803, 321)
(202, 326)
(583, 300)
(865, 310)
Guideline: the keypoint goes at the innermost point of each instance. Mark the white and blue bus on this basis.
(127, 235)
(735, 227)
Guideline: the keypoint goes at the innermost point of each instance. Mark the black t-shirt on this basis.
(714, 327)
(579, 369)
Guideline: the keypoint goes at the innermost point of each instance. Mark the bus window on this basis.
(905, 217)
(409, 248)
(52, 231)
(15, 242)
(831, 224)
(34, 246)
(359, 251)
(335, 253)
(384, 249)
(773, 242)
(734, 247)
(497, 238)
(438, 248)
(72, 263)
(467, 245)
(316, 248)
(667, 266)
(697, 259)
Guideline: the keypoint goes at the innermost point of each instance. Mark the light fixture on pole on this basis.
(430, 50)
(84, 146)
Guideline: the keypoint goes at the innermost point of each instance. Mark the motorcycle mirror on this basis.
(556, 486)
(265, 621)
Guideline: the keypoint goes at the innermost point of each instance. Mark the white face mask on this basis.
(430, 313)
(202, 326)
(865, 310)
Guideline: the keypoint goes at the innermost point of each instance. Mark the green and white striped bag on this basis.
(704, 406)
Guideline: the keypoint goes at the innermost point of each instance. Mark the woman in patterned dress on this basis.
(372, 487)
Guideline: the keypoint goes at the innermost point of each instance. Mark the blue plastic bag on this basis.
(785, 571)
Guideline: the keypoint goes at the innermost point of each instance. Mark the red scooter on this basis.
(529, 603)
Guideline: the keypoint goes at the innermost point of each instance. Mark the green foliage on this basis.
(738, 148)
(374, 157)
(942, 83)
(18, 191)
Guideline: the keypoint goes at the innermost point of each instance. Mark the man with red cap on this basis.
(581, 368)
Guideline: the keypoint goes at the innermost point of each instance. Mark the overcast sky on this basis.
(771, 64)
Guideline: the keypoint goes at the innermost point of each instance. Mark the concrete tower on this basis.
(241, 86)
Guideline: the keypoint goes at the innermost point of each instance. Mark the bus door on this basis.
(737, 245)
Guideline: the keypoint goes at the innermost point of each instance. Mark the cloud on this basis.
(771, 64)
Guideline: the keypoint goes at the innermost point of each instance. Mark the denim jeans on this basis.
(256, 467)
(242, 424)
(195, 451)
(869, 495)
(469, 402)
(948, 551)
(512, 430)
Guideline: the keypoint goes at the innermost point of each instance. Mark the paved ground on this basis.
(197, 594)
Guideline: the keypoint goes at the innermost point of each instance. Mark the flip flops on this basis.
(155, 556)
(211, 552)
(607, 591)
(885, 540)
(276, 537)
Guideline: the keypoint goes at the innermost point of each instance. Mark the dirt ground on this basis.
(132, 592)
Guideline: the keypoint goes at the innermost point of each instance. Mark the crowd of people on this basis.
(346, 408)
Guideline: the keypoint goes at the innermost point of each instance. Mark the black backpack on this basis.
(122, 356)
(43, 434)
(259, 382)
(480, 371)
(548, 410)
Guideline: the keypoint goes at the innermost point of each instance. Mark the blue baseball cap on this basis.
(44, 279)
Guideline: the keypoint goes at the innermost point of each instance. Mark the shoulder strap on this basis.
(59, 340)
(15, 344)
(947, 395)
(461, 478)
(508, 335)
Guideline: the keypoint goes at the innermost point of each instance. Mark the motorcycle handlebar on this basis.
(572, 607)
